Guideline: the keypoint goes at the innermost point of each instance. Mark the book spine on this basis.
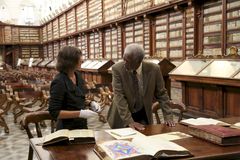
(206, 136)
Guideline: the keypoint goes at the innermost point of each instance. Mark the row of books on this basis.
(55, 29)
(81, 13)
(62, 24)
(215, 39)
(112, 9)
(71, 21)
(212, 51)
(49, 31)
(132, 6)
(82, 45)
(27, 52)
(233, 4)
(44, 34)
(233, 14)
(95, 12)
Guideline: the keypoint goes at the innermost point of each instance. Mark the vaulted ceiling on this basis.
(31, 12)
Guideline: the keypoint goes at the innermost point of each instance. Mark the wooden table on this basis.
(199, 148)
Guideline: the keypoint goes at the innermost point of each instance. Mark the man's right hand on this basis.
(137, 126)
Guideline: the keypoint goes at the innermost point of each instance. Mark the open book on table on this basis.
(80, 136)
(140, 146)
(203, 121)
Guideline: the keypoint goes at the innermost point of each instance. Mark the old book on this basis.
(236, 125)
(216, 134)
(81, 136)
(203, 121)
(140, 147)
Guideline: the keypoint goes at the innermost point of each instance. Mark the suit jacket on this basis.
(120, 113)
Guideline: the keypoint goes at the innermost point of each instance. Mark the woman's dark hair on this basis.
(68, 59)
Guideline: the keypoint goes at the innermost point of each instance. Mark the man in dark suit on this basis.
(135, 84)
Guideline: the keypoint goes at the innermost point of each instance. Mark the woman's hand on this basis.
(86, 113)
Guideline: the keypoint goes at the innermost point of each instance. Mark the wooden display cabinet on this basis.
(97, 70)
(166, 66)
(36, 62)
(44, 63)
(210, 88)
(52, 64)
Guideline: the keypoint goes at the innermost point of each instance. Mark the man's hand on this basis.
(137, 126)
(170, 123)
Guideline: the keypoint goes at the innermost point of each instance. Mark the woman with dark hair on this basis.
(67, 93)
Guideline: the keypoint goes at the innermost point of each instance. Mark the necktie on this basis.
(138, 105)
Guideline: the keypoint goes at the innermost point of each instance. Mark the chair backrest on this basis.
(36, 118)
(174, 105)
(30, 94)
(5, 102)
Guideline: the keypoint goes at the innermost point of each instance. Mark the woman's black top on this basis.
(65, 95)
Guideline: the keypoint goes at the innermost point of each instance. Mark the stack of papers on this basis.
(124, 133)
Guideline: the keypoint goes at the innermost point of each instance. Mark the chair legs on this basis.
(4, 124)
(30, 153)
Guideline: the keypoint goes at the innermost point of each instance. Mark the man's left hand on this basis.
(170, 123)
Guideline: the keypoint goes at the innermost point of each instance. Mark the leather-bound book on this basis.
(216, 134)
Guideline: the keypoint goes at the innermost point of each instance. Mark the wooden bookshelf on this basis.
(45, 51)
(50, 50)
(29, 35)
(81, 16)
(159, 2)
(25, 52)
(132, 6)
(15, 35)
(112, 9)
(7, 34)
(55, 29)
(71, 21)
(161, 36)
(176, 34)
(146, 36)
(82, 45)
(111, 43)
(189, 31)
(94, 12)
(233, 24)
(63, 43)
(49, 32)
(35, 52)
(62, 25)
(44, 33)
(55, 49)
(95, 45)
(72, 42)
(1, 35)
(212, 27)
(138, 32)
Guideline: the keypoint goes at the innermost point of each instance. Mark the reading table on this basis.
(199, 148)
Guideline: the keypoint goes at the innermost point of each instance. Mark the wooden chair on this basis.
(36, 118)
(5, 103)
(27, 102)
(180, 106)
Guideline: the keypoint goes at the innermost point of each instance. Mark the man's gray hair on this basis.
(136, 50)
